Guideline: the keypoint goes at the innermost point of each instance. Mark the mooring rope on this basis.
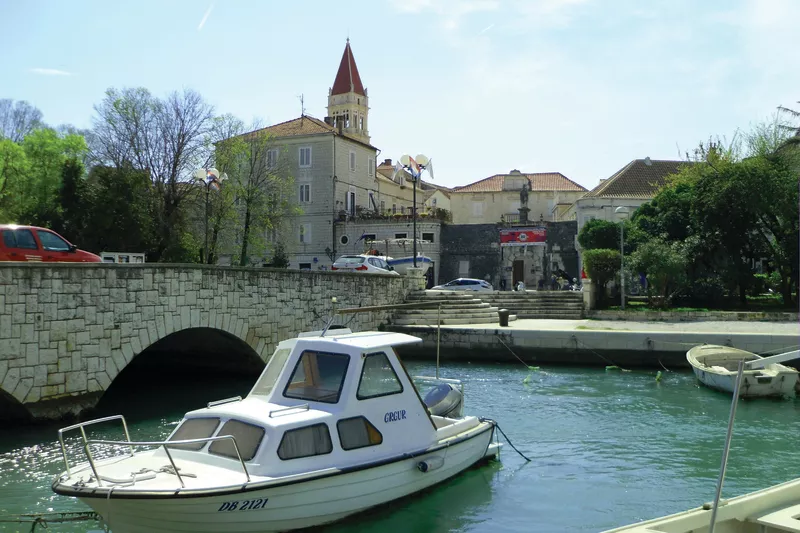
(46, 519)
(607, 360)
(506, 437)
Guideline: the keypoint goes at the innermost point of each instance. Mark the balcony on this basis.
(430, 215)
(509, 218)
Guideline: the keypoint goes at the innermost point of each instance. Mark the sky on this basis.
(482, 87)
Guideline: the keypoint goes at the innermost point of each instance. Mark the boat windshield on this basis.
(318, 377)
(270, 375)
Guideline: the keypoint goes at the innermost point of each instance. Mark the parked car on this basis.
(368, 264)
(465, 284)
(32, 244)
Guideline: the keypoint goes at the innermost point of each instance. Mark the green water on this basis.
(607, 449)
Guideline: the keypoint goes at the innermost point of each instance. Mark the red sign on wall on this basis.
(523, 237)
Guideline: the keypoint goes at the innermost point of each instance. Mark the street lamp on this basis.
(415, 166)
(208, 177)
(622, 213)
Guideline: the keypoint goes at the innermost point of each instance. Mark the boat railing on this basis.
(87, 443)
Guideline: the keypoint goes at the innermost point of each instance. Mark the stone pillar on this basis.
(415, 279)
(589, 295)
(523, 215)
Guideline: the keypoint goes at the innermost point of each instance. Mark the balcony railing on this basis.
(431, 215)
(510, 218)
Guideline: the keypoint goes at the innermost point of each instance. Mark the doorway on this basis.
(518, 272)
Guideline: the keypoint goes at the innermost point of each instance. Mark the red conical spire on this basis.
(347, 78)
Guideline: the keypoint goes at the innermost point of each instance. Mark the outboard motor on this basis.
(444, 400)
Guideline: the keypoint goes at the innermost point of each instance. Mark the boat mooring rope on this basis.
(503, 433)
(44, 520)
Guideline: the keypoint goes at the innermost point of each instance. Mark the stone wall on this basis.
(67, 330)
(478, 244)
(561, 246)
(695, 316)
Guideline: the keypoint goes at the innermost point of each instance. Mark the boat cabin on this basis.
(344, 399)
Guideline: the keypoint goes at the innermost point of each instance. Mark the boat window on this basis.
(318, 377)
(378, 378)
(194, 428)
(357, 433)
(270, 375)
(248, 438)
(305, 442)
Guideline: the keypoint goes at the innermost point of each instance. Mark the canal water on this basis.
(607, 448)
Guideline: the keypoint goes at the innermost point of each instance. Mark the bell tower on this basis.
(347, 100)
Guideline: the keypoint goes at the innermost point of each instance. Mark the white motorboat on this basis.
(772, 510)
(333, 426)
(402, 264)
(404, 249)
(716, 366)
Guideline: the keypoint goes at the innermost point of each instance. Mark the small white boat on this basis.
(771, 510)
(716, 366)
(333, 426)
(402, 264)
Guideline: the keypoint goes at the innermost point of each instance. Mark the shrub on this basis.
(665, 266)
(599, 234)
(601, 265)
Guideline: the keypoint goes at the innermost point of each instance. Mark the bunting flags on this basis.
(429, 168)
(398, 168)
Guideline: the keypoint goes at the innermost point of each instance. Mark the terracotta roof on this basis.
(542, 181)
(347, 78)
(304, 125)
(641, 178)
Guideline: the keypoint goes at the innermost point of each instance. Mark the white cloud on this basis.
(451, 12)
(487, 28)
(50, 72)
(205, 17)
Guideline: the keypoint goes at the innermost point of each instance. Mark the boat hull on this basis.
(294, 505)
(402, 264)
(714, 367)
(774, 509)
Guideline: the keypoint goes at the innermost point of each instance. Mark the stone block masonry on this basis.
(67, 330)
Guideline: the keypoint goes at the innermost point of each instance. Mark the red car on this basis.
(29, 243)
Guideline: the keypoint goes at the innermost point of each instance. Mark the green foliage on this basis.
(665, 267)
(601, 265)
(279, 257)
(599, 234)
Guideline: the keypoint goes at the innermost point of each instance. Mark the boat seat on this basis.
(719, 369)
(786, 519)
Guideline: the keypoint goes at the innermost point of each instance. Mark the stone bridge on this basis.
(68, 330)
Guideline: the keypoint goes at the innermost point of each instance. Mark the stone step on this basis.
(446, 316)
(573, 306)
(552, 316)
(448, 322)
(443, 295)
(576, 297)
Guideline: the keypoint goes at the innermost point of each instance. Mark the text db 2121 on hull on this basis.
(333, 426)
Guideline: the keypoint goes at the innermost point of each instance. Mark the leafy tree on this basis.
(119, 204)
(279, 257)
(665, 266)
(165, 137)
(601, 266)
(599, 234)
(30, 186)
(18, 119)
(72, 200)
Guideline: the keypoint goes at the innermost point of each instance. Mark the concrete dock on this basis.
(597, 342)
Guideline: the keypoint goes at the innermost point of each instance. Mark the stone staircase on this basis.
(462, 307)
(566, 305)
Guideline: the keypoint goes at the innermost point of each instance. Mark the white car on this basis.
(465, 284)
(368, 264)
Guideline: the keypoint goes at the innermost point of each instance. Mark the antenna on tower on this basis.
(302, 105)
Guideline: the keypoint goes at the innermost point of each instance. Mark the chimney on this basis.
(387, 162)
(329, 121)
(647, 161)
(515, 171)
(340, 124)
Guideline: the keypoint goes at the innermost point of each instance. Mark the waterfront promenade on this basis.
(597, 342)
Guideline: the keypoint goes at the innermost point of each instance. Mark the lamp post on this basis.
(207, 177)
(415, 166)
(622, 213)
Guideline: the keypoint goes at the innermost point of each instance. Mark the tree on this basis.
(257, 173)
(665, 266)
(119, 206)
(18, 119)
(167, 138)
(598, 234)
(30, 185)
(601, 266)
